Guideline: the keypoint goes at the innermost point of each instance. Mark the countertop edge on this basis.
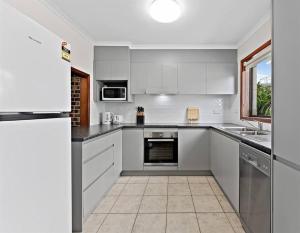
(218, 128)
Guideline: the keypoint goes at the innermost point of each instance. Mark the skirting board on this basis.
(166, 173)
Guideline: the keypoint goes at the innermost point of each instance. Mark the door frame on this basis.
(84, 105)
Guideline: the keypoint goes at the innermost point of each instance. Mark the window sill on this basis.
(259, 119)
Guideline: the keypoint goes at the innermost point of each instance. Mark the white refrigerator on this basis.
(286, 115)
(35, 131)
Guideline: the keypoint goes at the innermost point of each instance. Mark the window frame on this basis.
(243, 109)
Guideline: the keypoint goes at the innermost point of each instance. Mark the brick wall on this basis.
(75, 95)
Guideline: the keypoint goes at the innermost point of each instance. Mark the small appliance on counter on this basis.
(117, 119)
(107, 118)
(140, 116)
(192, 114)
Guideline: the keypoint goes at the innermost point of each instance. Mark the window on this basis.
(256, 85)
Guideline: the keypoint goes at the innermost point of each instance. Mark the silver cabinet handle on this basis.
(160, 140)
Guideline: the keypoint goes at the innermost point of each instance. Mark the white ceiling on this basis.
(210, 23)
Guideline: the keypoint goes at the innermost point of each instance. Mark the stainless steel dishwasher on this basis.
(255, 190)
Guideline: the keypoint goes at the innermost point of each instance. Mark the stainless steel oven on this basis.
(160, 148)
(255, 190)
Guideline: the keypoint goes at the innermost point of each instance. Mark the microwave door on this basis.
(114, 93)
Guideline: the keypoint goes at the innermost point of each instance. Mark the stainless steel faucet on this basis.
(260, 125)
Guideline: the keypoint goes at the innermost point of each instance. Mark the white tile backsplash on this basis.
(172, 108)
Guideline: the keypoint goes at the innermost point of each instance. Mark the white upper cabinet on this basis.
(111, 63)
(221, 78)
(170, 79)
(138, 78)
(154, 78)
(192, 78)
(31, 66)
(191, 72)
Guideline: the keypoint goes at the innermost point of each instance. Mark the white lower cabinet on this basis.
(225, 165)
(193, 149)
(133, 149)
(96, 165)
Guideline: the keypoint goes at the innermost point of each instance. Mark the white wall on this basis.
(82, 47)
(260, 36)
(172, 108)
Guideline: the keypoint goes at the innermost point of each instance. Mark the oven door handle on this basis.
(160, 140)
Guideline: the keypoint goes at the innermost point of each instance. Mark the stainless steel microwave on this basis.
(114, 93)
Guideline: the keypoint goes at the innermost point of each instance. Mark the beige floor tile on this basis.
(235, 222)
(216, 189)
(150, 223)
(123, 180)
(158, 179)
(227, 208)
(93, 223)
(127, 205)
(118, 223)
(116, 190)
(197, 179)
(206, 204)
(138, 180)
(211, 179)
(106, 204)
(178, 189)
(214, 223)
(153, 204)
(182, 223)
(180, 204)
(156, 189)
(134, 189)
(201, 189)
(177, 179)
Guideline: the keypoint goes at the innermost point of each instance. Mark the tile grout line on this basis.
(112, 206)
(194, 208)
(222, 207)
(167, 205)
(139, 206)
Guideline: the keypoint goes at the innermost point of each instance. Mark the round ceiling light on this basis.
(165, 11)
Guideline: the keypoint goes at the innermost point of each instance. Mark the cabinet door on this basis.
(221, 78)
(133, 149)
(154, 78)
(102, 70)
(193, 149)
(231, 171)
(170, 79)
(120, 70)
(192, 78)
(225, 165)
(117, 141)
(138, 78)
(216, 151)
(286, 199)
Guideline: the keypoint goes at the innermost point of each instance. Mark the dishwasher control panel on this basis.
(257, 158)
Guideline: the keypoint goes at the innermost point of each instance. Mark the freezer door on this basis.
(286, 199)
(286, 50)
(35, 176)
(33, 75)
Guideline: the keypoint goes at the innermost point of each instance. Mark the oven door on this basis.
(114, 93)
(161, 152)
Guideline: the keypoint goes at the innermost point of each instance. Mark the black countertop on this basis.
(80, 134)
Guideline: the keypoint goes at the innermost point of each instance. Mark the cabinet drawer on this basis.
(96, 165)
(97, 146)
(95, 192)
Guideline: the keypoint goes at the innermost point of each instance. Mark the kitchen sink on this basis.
(254, 132)
(239, 129)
